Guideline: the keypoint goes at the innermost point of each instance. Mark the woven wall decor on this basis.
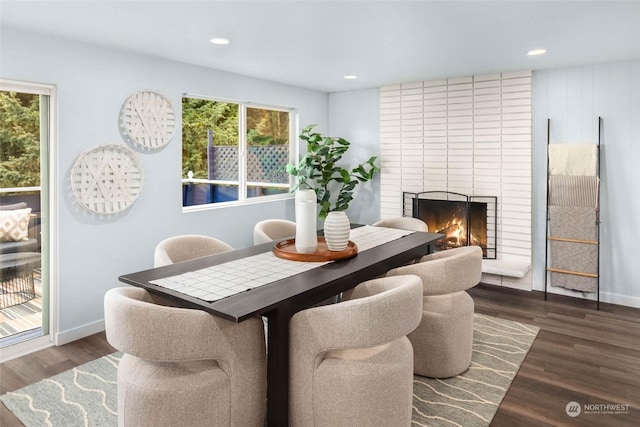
(148, 120)
(107, 179)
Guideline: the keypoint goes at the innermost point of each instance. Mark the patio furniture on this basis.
(273, 229)
(17, 284)
(184, 367)
(30, 242)
(442, 343)
(351, 362)
(186, 247)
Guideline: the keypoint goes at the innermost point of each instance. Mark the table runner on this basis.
(223, 280)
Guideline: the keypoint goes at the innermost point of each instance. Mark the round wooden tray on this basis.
(286, 249)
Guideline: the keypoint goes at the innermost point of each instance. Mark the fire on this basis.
(455, 233)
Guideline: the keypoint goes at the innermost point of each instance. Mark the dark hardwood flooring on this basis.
(582, 355)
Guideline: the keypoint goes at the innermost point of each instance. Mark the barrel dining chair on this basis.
(273, 229)
(184, 367)
(442, 343)
(403, 223)
(186, 247)
(351, 363)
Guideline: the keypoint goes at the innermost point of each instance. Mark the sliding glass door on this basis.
(26, 122)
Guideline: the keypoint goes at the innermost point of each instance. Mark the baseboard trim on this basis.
(74, 334)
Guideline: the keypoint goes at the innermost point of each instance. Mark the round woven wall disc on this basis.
(148, 120)
(107, 179)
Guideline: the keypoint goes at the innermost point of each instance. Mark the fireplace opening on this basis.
(464, 220)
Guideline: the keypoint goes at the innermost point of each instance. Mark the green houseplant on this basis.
(318, 170)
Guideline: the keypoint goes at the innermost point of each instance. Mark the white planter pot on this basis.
(306, 228)
(336, 231)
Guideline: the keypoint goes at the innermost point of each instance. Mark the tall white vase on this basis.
(306, 228)
(337, 229)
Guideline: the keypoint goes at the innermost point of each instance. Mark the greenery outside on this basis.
(19, 140)
(264, 127)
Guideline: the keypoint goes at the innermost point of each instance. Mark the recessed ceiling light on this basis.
(350, 77)
(535, 52)
(220, 40)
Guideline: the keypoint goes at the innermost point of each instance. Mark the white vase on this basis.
(336, 231)
(306, 229)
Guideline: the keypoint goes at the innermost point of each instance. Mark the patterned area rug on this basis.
(86, 395)
(472, 398)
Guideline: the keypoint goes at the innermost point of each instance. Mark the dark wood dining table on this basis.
(280, 300)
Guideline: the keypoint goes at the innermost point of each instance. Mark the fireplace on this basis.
(464, 220)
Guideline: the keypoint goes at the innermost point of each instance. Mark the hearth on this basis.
(463, 219)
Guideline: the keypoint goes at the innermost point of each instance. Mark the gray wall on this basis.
(354, 116)
(573, 99)
(92, 84)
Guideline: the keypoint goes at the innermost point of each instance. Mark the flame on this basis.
(455, 232)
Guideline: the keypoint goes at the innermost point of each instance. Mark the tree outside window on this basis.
(232, 152)
(19, 140)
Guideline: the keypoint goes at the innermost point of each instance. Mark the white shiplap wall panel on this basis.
(470, 135)
(390, 151)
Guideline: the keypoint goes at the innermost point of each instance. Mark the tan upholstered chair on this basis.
(442, 343)
(403, 223)
(273, 229)
(184, 367)
(351, 363)
(186, 247)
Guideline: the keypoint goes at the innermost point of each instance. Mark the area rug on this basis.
(472, 398)
(86, 395)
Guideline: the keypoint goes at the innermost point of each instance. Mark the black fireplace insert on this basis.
(464, 220)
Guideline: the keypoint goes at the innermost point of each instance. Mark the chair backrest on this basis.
(378, 311)
(135, 324)
(273, 229)
(377, 318)
(403, 223)
(186, 247)
(170, 340)
(446, 272)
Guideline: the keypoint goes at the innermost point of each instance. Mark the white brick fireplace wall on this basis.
(469, 135)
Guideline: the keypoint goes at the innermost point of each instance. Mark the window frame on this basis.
(49, 165)
(243, 184)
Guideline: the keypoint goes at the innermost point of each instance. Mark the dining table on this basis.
(253, 282)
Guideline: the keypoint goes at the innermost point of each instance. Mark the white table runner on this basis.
(223, 280)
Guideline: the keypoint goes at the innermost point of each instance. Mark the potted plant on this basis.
(319, 170)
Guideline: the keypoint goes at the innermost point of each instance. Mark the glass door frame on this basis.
(49, 215)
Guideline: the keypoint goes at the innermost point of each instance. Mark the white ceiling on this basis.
(314, 44)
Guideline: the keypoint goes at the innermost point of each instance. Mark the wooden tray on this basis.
(286, 249)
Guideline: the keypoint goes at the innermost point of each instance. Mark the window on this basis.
(234, 152)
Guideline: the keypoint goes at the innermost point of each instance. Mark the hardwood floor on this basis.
(46, 363)
(582, 355)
